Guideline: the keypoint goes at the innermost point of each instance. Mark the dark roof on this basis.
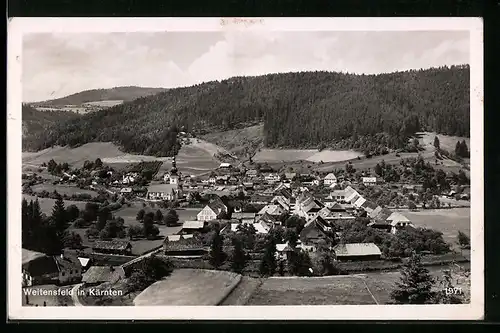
(337, 207)
(217, 206)
(67, 262)
(28, 255)
(115, 244)
(369, 204)
(41, 266)
(183, 244)
(268, 219)
(101, 274)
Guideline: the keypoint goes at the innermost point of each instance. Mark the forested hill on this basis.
(298, 110)
(35, 122)
(118, 93)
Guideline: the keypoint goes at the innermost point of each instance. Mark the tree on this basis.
(149, 270)
(171, 219)
(378, 169)
(436, 143)
(217, 255)
(299, 263)
(268, 263)
(72, 240)
(72, 212)
(140, 215)
(463, 239)
(412, 205)
(149, 229)
(158, 216)
(447, 293)
(238, 256)
(135, 231)
(415, 285)
(98, 163)
(58, 217)
(325, 262)
(291, 237)
(247, 234)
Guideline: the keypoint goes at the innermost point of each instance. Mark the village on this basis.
(310, 224)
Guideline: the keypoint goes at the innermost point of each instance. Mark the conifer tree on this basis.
(58, 216)
(217, 255)
(238, 256)
(437, 145)
(415, 285)
(268, 264)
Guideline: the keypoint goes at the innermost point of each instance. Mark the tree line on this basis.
(305, 109)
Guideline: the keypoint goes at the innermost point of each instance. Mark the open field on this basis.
(104, 104)
(189, 287)
(448, 221)
(346, 289)
(63, 189)
(446, 142)
(46, 204)
(243, 291)
(311, 155)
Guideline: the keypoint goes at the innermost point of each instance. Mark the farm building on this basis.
(368, 206)
(185, 245)
(272, 178)
(332, 215)
(369, 181)
(244, 217)
(330, 179)
(315, 231)
(262, 227)
(96, 275)
(212, 211)
(252, 173)
(398, 221)
(357, 251)
(338, 195)
(190, 227)
(225, 166)
(283, 251)
(118, 247)
(163, 192)
(308, 208)
(274, 210)
(350, 194)
(39, 268)
(281, 201)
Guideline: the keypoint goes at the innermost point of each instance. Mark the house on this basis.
(129, 178)
(262, 227)
(251, 173)
(338, 195)
(268, 219)
(315, 231)
(126, 190)
(330, 179)
(283, 251)
(369, 181)
(244, 217)
(398, 221)
(358, 201)
(190, 227)
(357, 251)
(39, 268)
(281, 201)
(308, 208)
(272, 178)
(374, 213)
(184, 245)
(212, 180)
(248, 186)
(274, 210)
(96, 275)
(225, 166)
(212, 211)
(330, 215)
(368, 206)
(117, 247)
(168, 192)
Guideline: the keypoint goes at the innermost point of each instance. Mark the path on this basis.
(74, 295)
(373, 297)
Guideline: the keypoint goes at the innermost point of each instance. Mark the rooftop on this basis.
(356, 249)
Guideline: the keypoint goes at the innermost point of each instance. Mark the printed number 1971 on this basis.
(453, 291)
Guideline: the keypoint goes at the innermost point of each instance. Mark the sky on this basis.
(57, 65)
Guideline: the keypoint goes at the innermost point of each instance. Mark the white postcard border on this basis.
(19, 26)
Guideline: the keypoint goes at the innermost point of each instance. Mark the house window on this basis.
(62, 274)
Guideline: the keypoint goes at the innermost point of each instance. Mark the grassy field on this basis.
(104, 104)
(63, 189)
(446, 142)
(189, 287)
(243, 291)
(311, 155)
(448, 221)
(46, 204)
(334, 290)
(238, 140)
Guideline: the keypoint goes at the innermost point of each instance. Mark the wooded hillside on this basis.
(298, 110)
(35, 122)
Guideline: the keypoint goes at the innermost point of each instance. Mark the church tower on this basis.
(174, 176)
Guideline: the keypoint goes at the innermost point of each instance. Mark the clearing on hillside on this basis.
(311, 155)
(189, 287)
(238, 141)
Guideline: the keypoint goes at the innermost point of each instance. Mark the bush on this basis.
(80, 223)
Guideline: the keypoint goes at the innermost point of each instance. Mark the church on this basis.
(170, 190)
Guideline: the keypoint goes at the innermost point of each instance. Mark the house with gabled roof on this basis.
(190, 227)
(213, 210)
(115, 246)
(163, 192)
(274, 210)
(96, 275)
(398, 221)
(368, 206)
(330, 179)
(268, 219)
(351, 194)
(315, 231)
(357, 251)
(39, 268)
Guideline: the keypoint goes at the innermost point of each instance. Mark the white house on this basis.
(212, 211)
(369, 181)
(330, 179)
(224, 166)
(398, 221)
(273, 210)
(272, 178)
(129, 178)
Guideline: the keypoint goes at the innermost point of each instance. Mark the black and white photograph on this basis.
(245, 168)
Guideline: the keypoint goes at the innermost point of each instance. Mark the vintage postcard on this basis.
(245, 168)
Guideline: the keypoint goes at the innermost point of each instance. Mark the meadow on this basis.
(63, 189)
(189, 287)
(311, 155)
(46, 204)
(448, 221)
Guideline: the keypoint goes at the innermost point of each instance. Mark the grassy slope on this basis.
(189, 287)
